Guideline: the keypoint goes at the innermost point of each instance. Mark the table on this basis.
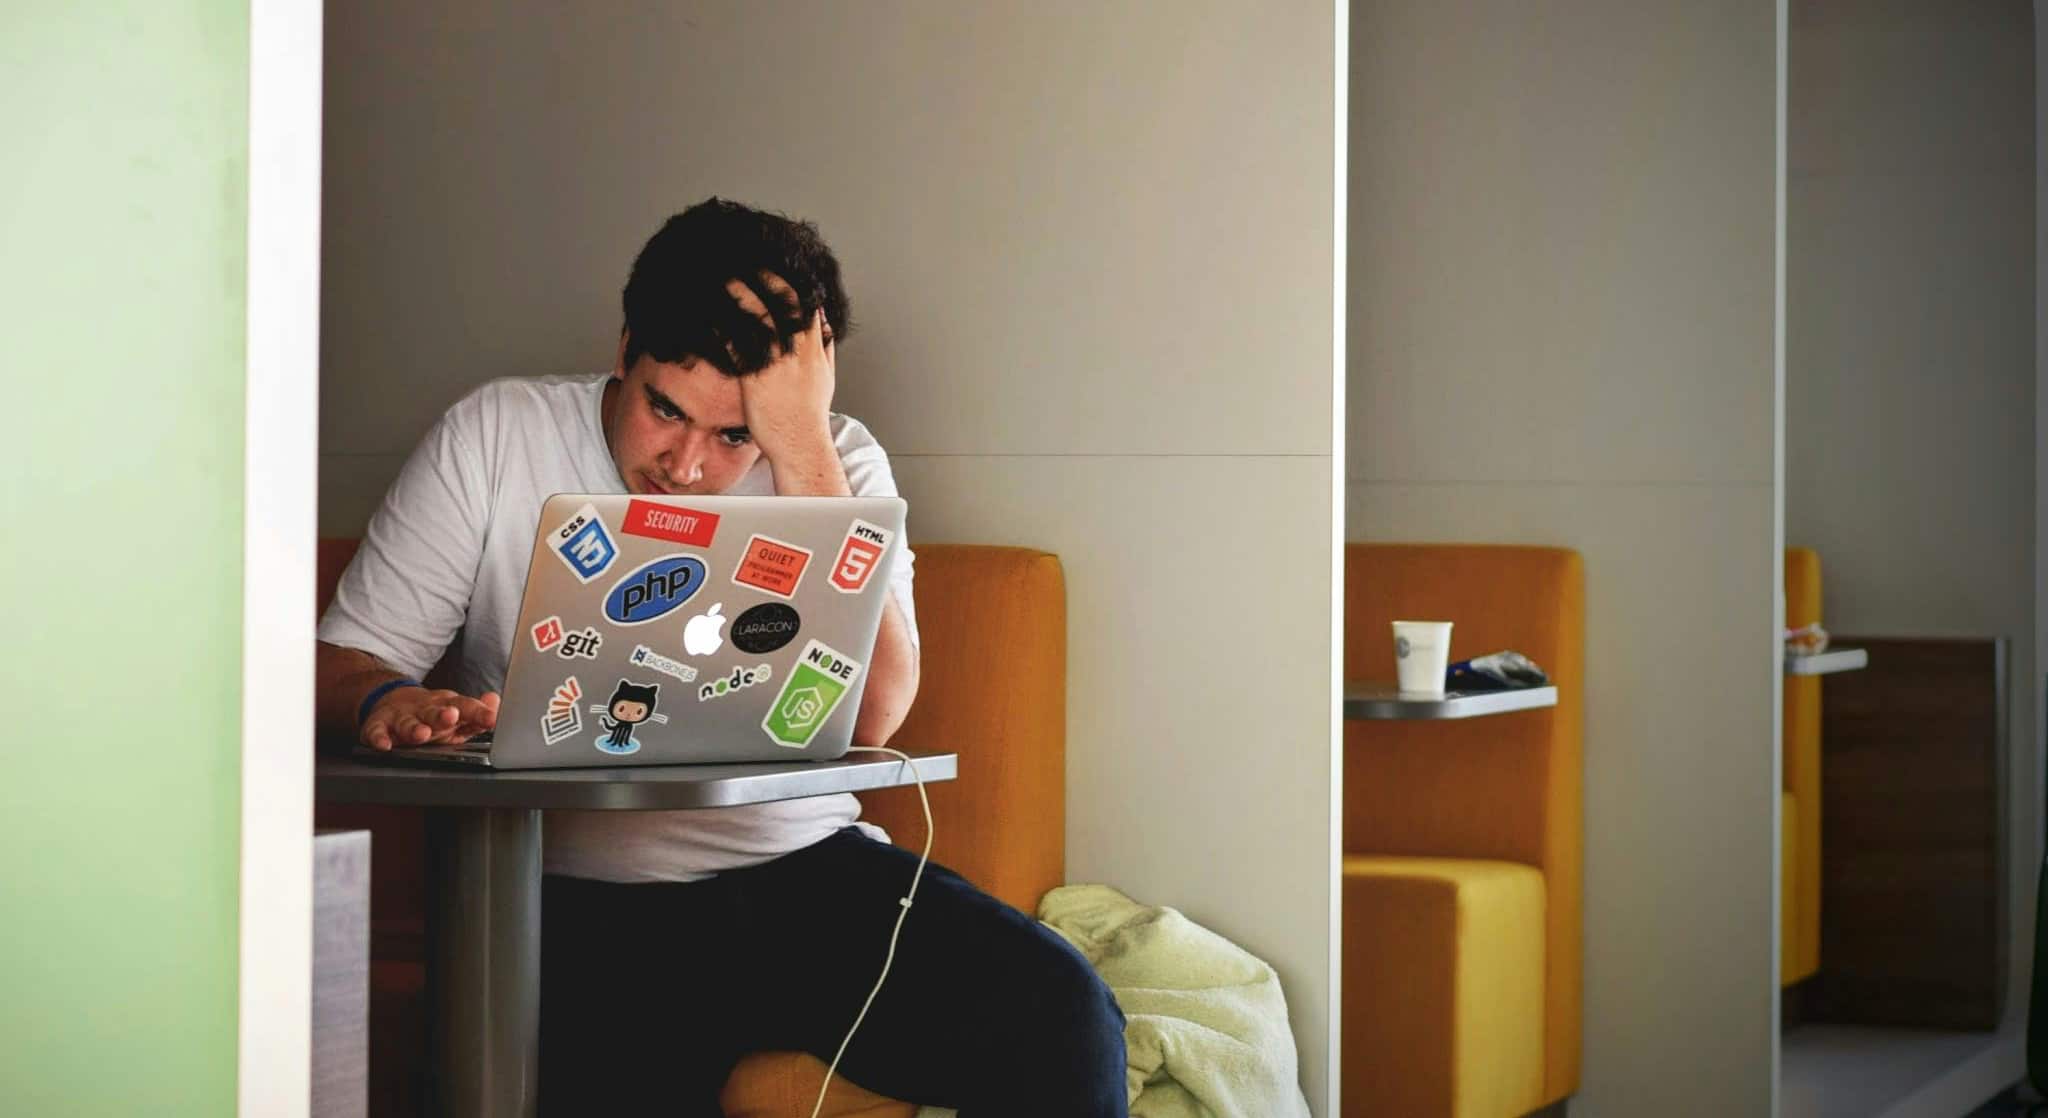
(1373, 702)
(1827, 663)
(484, 885)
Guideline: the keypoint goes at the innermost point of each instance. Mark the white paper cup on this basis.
(1422, 651)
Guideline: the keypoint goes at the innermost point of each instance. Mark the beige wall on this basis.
(1909, 375)
(1091, 251)
(1561, 317)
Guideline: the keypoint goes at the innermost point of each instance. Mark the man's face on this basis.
(677, 427)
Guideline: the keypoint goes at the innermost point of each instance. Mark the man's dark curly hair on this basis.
(677, 304)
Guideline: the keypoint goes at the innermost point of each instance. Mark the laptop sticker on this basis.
(631, 704)
(702, 634)
(773, 566)
(646, 657)
(739, 680)
(669, 522)
(583, 545)
(584, 644)
(562, 719)
(765, 628)
(547, 634)
(654, 588)
(809, 695)
(858, 556)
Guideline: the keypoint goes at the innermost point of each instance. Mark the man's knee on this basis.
(1070, 1006)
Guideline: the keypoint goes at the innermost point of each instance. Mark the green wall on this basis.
(123, 203)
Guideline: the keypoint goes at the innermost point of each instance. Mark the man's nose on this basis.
(685, 460)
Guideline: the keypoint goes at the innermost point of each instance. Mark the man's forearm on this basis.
(893, 675)
(342, 677)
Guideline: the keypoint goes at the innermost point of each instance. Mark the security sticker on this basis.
(863, 550)
(583, 545)
(547, 634)
(739, 680)
(765, 628)
(772, 565)
(563, 719)
(584, 644)
(630, 705)
(673, 523)
(646, 657)
(809, 695)
(654, 588)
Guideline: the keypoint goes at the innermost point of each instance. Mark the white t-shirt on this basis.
(445, 558)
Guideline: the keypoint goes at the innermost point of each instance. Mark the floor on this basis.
(1833, 1071)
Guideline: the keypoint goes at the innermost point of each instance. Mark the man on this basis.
(723, 383)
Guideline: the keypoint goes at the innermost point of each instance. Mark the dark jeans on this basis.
(650, 993)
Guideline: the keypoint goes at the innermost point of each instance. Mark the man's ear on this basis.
(619, 358)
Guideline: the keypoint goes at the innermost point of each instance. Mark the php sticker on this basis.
(583, 545)
(562, 719)
(631, 704)
(646, 657)
(739, 680)
(773, 566)
(673, 523)
(863, 550)
(765, 628)
(584, 644)
(809, 695)
(547, 634)
(654, 588)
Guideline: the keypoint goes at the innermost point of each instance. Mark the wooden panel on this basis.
(1912, 881)
(341, 974)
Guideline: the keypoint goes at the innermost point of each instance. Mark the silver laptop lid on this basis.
(658, 630)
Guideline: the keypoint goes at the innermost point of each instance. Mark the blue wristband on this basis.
(378, 692)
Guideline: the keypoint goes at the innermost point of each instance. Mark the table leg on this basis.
(484, 960)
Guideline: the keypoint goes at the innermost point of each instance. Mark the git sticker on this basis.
(547, 634)
(863, 550)
(562, 719)
(809, 695)
(773, 566)
(583, 545)
(673, 523)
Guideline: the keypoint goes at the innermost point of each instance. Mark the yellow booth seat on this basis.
(1463, 846)
(1799, 821)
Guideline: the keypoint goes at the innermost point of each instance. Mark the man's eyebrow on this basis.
(660, 399)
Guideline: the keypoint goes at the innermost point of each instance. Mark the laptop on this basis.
(673, 630)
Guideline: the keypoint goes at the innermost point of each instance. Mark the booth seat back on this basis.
(1799, 932)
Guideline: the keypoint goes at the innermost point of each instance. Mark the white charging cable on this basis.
(904, 901)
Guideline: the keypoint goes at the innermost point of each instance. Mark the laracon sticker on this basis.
(631, 704)
(673, 523)
(583, 545)
(646, 657)
(809, 695)
(547, 634)
(654, 588)
(563, 719)
(584, 644)
(739, 680)
(859, 556)
(773, 566)
(765, 628)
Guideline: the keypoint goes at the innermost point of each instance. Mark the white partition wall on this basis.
(1091, 253)
(1562, 310)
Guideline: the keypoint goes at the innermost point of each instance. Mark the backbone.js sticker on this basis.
(810, 693)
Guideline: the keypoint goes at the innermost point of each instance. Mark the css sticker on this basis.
(658, 586)
(646, 657)
(547, 634)
(669, 522)
(583, 545)
(765, 628)
(739, 680)
(809, 695)
(631, 704)
(562, 719)
(584, 644)
(858, 556)
(773, 566)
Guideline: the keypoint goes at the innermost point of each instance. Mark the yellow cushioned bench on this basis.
(1799, 823)
(1464, 848)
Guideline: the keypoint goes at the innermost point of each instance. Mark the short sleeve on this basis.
(869, 475)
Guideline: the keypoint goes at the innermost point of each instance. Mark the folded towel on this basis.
(1205, 1021)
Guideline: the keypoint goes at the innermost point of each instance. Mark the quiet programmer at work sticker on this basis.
(773, 566)
(809, 694)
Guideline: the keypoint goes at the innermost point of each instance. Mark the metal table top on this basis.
(1829, 662)
(1364, 702)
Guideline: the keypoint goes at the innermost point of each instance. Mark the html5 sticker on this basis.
(673, 523)
(859, 556)
(773, 566)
